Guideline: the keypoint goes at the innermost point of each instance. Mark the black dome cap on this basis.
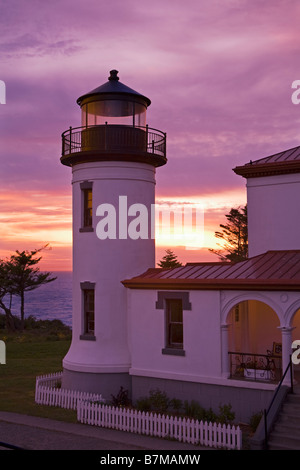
(113, 87)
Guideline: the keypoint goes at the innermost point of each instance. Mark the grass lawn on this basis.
(29, 355)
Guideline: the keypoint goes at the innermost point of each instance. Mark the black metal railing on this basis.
(114, 138)
(278, 388)
(262, 367)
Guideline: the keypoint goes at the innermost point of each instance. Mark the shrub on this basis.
(226, 415)
(255, 420)
(122, 399)
(159, 401)
(143, 404)
(194, 410)
(210, 415)
(175, 404)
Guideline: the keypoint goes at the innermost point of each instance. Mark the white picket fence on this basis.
(48, 392)
(181, 429)
(92, 410)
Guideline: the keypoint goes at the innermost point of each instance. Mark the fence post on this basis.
(217, 434)
(206, 436)
(230, 436)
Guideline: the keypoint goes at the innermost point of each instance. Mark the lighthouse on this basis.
(113, 157)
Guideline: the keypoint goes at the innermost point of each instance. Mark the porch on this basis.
(256, 367)
(257, 336)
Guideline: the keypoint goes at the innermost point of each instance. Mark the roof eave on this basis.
(267, 169)
(212, 284)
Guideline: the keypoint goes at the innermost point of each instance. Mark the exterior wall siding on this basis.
(273, 206)
(245, 401)
(201, 335)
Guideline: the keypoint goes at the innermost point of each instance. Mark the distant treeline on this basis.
(54, 329)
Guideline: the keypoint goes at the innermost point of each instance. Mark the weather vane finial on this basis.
(113, 75)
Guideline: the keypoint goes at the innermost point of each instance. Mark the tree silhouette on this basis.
(22, 275)
(169, 260)
(6, 293)
(234, 236)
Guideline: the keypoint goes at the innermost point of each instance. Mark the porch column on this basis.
(286, 333)
(224, 345)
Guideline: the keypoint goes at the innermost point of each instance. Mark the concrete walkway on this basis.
(35, 433)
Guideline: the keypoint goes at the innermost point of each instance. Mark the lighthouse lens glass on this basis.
(140, 115)
(124, 113)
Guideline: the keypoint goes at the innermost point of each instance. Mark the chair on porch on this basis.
(275, 359)
(276, 350)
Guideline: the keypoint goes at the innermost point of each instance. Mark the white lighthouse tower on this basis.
(113, 156)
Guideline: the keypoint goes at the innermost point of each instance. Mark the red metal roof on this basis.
(274, 269)
(287, 161)
(285, 156)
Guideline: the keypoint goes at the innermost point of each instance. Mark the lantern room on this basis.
(113, 103)
(113, 127)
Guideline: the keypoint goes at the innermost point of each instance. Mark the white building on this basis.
(188, 331)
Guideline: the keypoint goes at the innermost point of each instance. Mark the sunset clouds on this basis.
(218, 73)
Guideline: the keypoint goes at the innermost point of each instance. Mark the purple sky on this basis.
(218, 73)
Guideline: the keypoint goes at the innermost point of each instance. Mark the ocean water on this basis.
(51, 301)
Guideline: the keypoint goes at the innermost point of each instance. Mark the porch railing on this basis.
(249, 366)
(113, 138)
